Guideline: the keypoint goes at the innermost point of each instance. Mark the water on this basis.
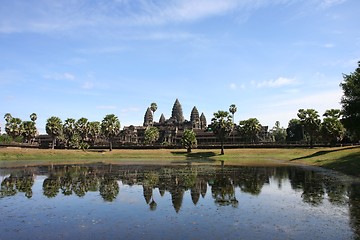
(103, 201)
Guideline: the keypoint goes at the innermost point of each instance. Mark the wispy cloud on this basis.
(330, 3)
(274, 83)
(106, 107)
(57, 16)
(60, 76)
(87, 85)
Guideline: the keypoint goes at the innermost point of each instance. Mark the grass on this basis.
(344, 159)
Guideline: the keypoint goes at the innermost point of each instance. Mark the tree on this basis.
(13, 126)
(233, 110)
(110, 128)
(94, 131)
(28, 130)
(7, 117)
(250, 129)
(188, 140)
(69, 132)
(33, 117)
(332, 129)
(278, 132)
(82, 128)
(351, 102)
(221, 125)
(151, 135)
(309, 118)
(153, 108)
(295, 131)
(54, 128)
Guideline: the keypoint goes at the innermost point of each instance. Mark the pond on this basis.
(110, 201)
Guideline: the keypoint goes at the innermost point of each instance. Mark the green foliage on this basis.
(153, 107)
(13, 127)
(82, 128)
(221, 125)
(4, 138)
(188, 140)
(294, 132)
(69, 132)
(28, 130)
(110, 127)
(33, 117)
(309, 118)
(332, 129)
(94, 131)
(54, 128)
(351, 102)
(278, 133)
(233, 110)
(250, 129)
(151, 135)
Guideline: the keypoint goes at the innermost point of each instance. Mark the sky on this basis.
(81, 58)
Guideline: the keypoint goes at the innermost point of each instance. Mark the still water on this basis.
(107, 201)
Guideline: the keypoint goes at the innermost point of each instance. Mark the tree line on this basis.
(336, 126)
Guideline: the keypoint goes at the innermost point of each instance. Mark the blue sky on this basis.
(83, 58)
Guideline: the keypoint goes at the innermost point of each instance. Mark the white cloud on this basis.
(60, 76)
(58, 16)
(130, 109)
(279, 82)
(87, 85)
(106, 107)
(330, 3)
(233, 86)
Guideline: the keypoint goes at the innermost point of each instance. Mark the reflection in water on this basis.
(226, 184)
(79, 180)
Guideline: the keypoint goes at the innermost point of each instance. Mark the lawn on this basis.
(344, 159)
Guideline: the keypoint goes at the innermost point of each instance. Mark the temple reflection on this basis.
(224, 183)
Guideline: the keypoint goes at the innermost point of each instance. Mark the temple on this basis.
(170, 130)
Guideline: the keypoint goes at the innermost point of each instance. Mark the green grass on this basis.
(344, 159)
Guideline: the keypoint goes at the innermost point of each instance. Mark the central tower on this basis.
(177, 113)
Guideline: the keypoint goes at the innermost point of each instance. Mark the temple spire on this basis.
(177, 113)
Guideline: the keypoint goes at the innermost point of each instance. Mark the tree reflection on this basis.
(109, 188)
(80, 179)
(223, 191)
(51, 186)
(17, 182)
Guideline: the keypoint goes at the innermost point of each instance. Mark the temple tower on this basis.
(148, 118)
(195, 118)
(177, 113)
(162, 119)
(203, 124)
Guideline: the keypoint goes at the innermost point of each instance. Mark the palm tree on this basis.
(151, 135)
(94, 131)
(54, 128)
(309, 118)
(69, 130)
(13, 127)
(82, 128)
(153, 108)
(233, 110)
(110, 127)
(33, 117)
(221, 125)
(7, 117)
(28, 130)
(250, 128)
(188, 139)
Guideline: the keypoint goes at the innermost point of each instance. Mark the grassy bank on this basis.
(344, 159)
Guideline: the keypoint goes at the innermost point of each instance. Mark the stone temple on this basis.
(170, 130)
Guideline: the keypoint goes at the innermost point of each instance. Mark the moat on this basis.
(107, 201)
